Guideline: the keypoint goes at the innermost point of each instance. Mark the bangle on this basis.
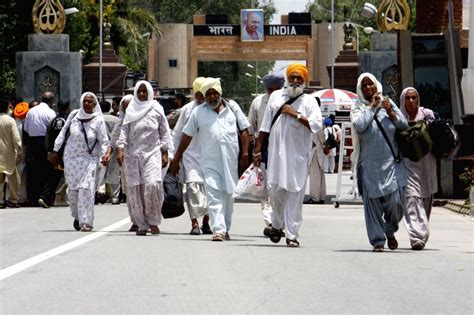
(257, 154)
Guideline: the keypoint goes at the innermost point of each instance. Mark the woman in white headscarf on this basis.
(143, 144)
(421, 176)
(113, 147)
(380, 173)
(86, 140)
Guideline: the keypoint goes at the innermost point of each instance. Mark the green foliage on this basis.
(467, 179)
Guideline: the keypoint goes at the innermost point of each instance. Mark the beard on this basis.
(214, 104)
(295, 89)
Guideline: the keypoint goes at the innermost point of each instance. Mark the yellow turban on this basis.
(299, 68)
(20, 110)
(197, 84)
(211, 83)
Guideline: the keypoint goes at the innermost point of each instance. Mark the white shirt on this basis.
(37, 120)
(256, 113)
(217, 137)
(290, 142)
(191, 167)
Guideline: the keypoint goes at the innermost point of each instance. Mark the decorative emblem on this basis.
(48, 17)
(393, 15)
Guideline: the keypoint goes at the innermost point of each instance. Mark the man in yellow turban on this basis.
(195, 195)
(214, 126)
(293, 118)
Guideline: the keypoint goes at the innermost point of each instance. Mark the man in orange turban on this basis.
(20, 110)
(290, 121)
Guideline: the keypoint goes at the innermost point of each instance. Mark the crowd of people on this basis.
(126, 148)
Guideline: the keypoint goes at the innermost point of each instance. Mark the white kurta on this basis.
(217, 137)
(191, 168)
(317, 180)
(143, 140)
(290, 142)
(256, 113)
(80, 166)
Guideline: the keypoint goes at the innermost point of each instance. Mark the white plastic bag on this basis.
(251, 185)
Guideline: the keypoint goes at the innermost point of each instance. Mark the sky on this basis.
(284, 7)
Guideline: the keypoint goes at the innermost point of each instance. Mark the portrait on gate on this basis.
(251, 25)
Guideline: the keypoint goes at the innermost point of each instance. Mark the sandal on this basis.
(217, 238)
(154, 229)
(275, 235)
(86, 228)
(378, 249)
(292, 243)
(141, 232)
(392, 243)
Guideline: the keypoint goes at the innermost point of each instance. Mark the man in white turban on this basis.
(215, 125)
(192, 175)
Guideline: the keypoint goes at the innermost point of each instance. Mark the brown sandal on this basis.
(217, 238)
(392, 243)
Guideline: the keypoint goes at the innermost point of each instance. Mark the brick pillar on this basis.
(432, 16)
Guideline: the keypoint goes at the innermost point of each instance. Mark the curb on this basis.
(460, 208)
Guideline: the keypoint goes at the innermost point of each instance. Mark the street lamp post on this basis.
(100, 48)
(256, 75)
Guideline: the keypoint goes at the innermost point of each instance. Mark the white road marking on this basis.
(30, 262)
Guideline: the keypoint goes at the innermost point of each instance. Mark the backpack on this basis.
(173, 205)
(331, 140)
(443, 135)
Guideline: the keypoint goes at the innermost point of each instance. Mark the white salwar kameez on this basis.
(289, 149)
(421, 185)
(143, 140)
(80, 166)
(216, 135)
(255, 117)
(195, 195)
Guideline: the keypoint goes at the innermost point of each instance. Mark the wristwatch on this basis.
(298, 117)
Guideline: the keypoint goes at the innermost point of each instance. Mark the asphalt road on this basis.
(334, 270)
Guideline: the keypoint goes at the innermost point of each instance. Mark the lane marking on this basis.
(30, 262)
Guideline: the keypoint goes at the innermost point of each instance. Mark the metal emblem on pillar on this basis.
(48, 17)
(393, 15)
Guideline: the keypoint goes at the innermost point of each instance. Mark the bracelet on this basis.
(257, 154)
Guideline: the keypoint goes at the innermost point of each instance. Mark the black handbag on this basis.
(415, 142)
(445, 139)
(173, 205)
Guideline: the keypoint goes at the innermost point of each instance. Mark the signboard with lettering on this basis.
(269, 30)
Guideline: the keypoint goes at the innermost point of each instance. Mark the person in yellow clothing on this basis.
(10, 146)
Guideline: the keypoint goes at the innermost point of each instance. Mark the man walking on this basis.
(257, 110)
(290, 142)
(215, 125)
(10, 146)
(192, 175)
(37, 165)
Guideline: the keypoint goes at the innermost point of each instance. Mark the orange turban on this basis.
(20, 110)
(299, 68)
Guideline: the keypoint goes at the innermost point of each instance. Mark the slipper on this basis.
(418, 245)
(392, 243)
(292, 243)
(141, 232)
(275, 235)
(154, 229)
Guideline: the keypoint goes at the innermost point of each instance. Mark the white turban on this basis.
(211, 83)
(197, 84)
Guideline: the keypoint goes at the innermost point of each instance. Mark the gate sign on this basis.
(269, 30)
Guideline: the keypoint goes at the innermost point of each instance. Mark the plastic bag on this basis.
(251, 185)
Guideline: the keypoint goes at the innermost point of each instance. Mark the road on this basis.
(334, 270)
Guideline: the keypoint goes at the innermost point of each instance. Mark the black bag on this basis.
(443, 136)
(331, 140)
(415, 142)
(173, 206)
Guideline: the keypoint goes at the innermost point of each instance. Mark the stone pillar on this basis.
(49, 66)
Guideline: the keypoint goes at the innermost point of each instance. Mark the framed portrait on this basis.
(251, 25)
